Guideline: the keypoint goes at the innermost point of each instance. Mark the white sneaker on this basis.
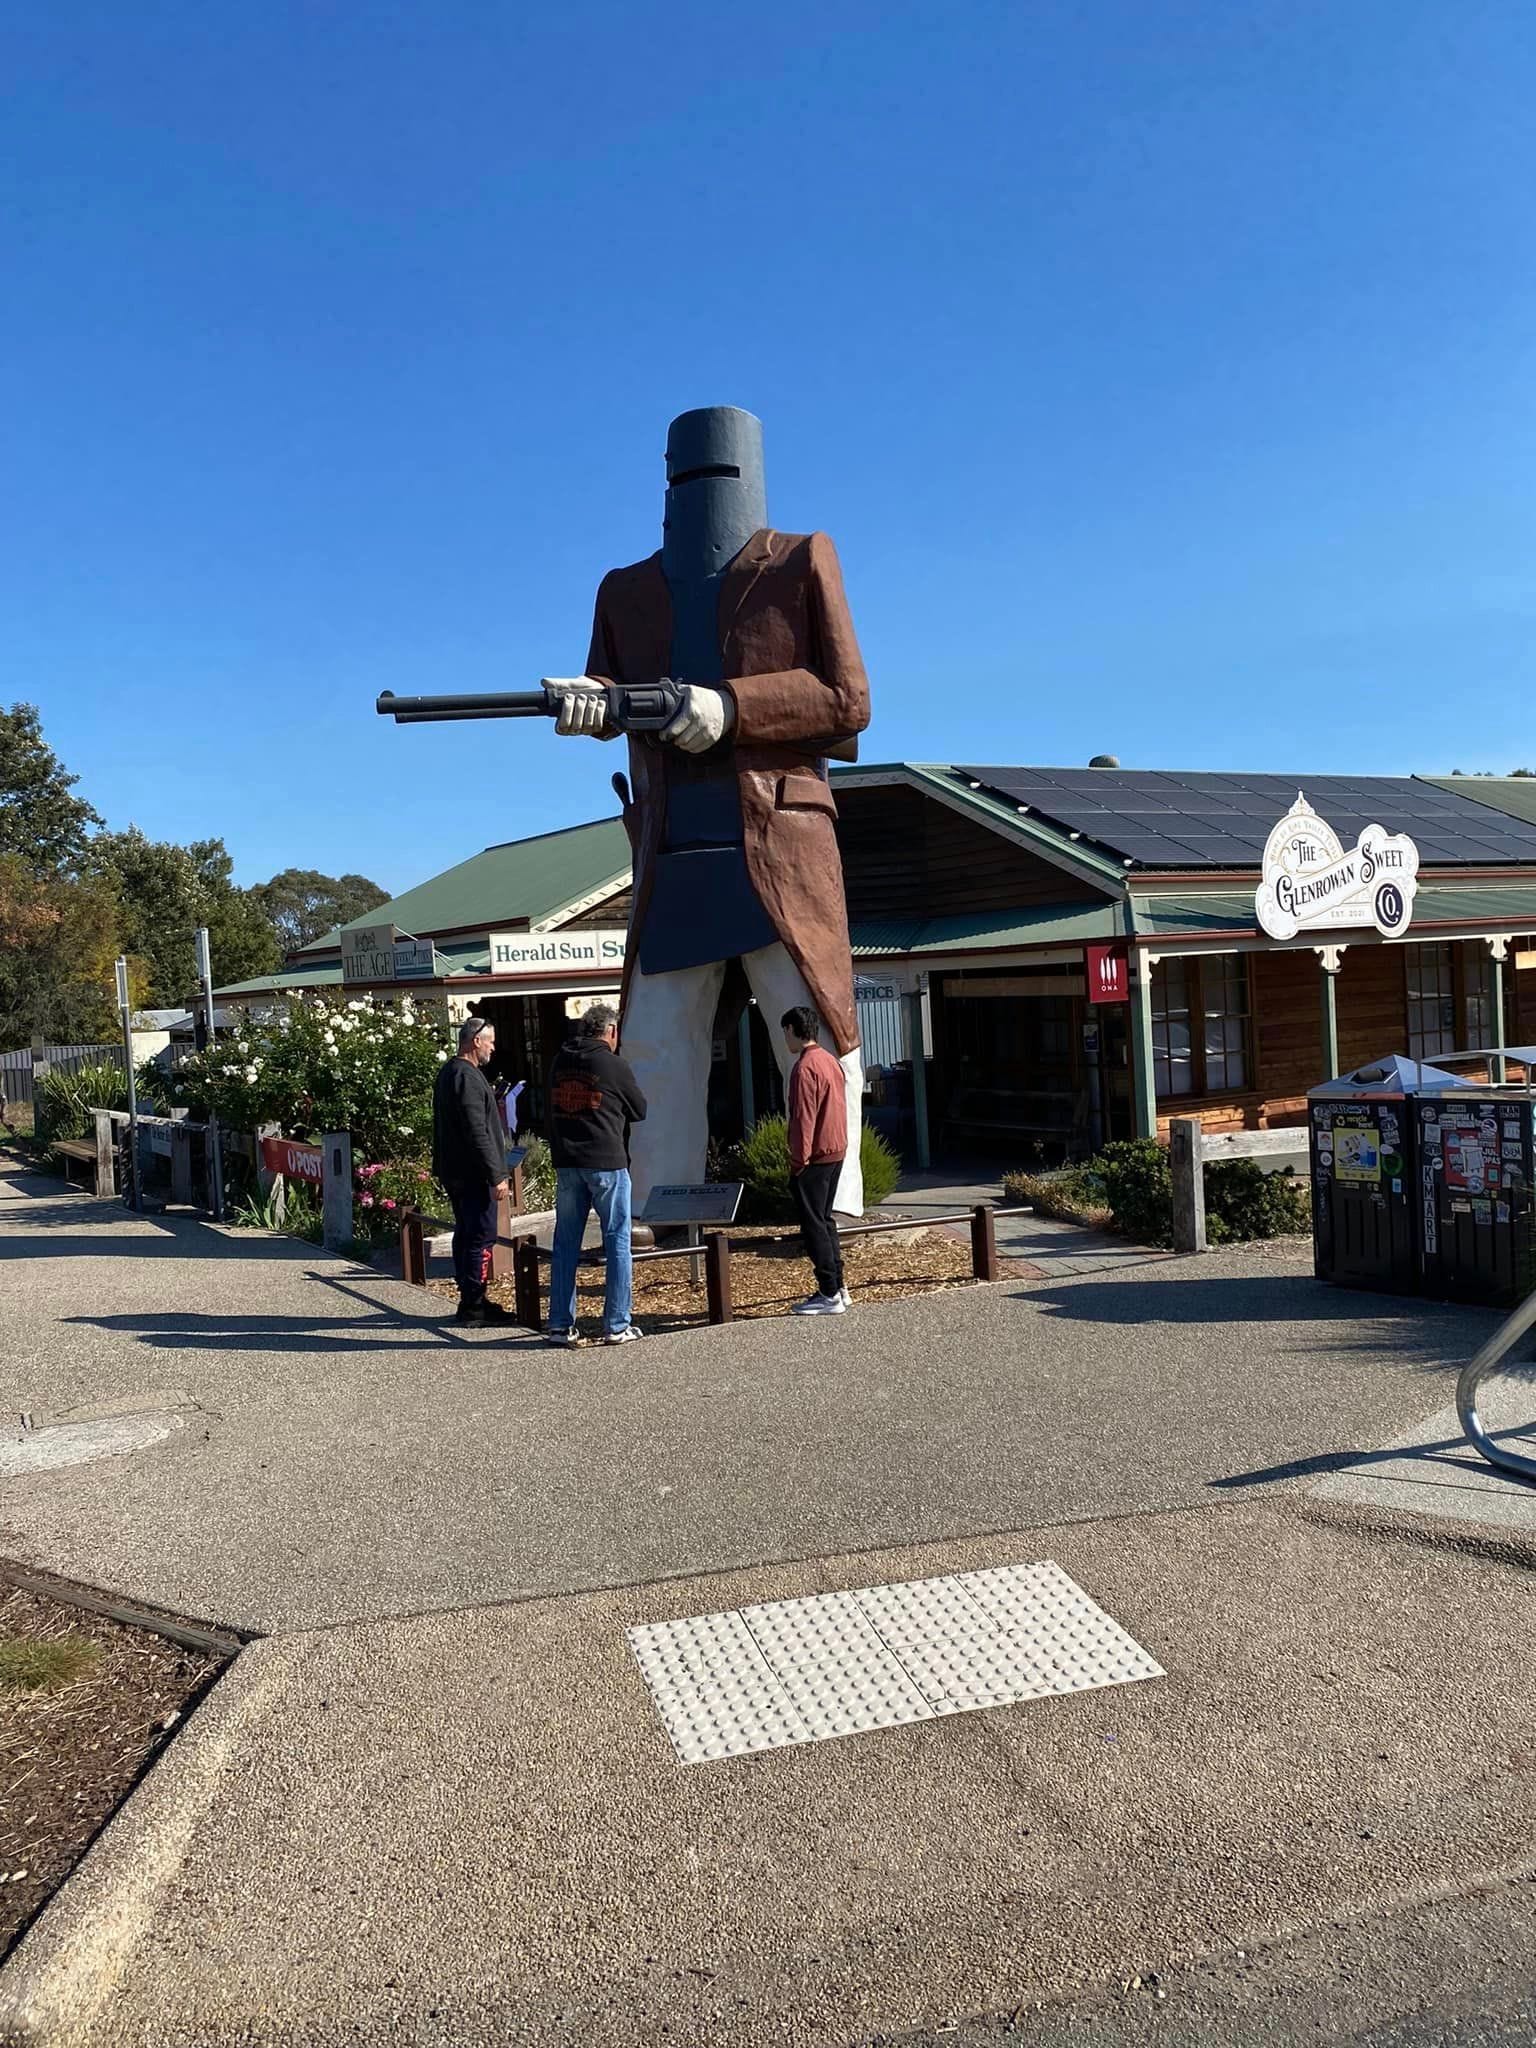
(629, 1336)
(563, 1337)
(845, 1297)
(820, 1305)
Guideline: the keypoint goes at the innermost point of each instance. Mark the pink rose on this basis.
(367, 1202)
(386, 1203)
(423, 1178)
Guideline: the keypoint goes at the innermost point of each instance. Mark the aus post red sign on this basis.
(288, 1156)
(1109, 974)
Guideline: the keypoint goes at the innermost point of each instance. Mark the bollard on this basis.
(105, 1180)
(525, 1283)
(413, 1250)
(502, 1260)
(1187, 1166)
(335, 1189)
(717, 1276)
(984, 1244)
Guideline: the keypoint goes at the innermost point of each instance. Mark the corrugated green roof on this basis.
(1514, 795)
(285, 978)
(1052, 924)
(1193, 915)
(527, 878)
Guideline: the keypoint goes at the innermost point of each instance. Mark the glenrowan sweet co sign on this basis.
(1311, 884)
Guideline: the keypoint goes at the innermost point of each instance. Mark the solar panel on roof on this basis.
(1159, 817)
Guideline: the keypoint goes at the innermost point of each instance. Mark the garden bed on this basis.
(768, 1278)
(85, 1706)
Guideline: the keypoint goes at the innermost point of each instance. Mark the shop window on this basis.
(1477, 995)
(1431, 1001)
(1224, 981)
(1213, 994)
(1172, 1041)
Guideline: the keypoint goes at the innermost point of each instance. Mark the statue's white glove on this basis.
(583, 705)
(704, 720)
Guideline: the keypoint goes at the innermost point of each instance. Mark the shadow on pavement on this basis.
(380, 1327)
(183, 1331)
(1294, 1298)
(1454, 1451)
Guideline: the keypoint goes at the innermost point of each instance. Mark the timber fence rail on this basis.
(1191, 1149)
(527, 1253)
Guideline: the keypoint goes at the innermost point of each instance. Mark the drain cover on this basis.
(78, 1443)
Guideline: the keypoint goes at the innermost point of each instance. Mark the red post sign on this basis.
(1109, 974)
(296, 1161)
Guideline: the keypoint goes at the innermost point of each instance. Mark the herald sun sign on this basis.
(1310, 883)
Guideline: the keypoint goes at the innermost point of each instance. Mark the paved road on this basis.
(466, 1825)
(343, 1453)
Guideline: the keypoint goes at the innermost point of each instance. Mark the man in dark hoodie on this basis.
(593, 1100)
(469, 1158)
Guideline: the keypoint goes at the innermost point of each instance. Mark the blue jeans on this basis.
(579, 1190)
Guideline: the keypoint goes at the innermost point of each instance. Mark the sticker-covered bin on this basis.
(1422, 1182)
(1476, 1217)
(1365, 1176)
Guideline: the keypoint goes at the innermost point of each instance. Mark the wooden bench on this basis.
(86, 1164)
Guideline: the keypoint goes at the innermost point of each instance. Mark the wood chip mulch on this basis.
(767, 1278)
(69, 1755)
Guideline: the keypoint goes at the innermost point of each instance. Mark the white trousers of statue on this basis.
(669, 1027)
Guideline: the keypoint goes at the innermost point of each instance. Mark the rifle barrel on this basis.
(489, 704)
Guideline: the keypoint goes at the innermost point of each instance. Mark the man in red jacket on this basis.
(818, 1140)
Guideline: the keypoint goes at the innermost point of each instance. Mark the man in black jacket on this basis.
(469, 1157)
(593, 1100)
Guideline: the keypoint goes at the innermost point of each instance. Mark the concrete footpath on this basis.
(434, 1802)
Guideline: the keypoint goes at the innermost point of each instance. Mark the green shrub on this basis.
(538, 1176)
(761, 1161)
(1243, 1202)
(63, 1102)
(1138, 1186)
(302, 1215)
(1075, 1194)
(1134, 1179)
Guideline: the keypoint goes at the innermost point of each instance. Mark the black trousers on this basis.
(474, 1232)
(813, 1191)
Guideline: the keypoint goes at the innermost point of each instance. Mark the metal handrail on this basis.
(1475, 1371)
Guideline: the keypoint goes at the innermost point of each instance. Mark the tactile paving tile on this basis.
(793, 1671)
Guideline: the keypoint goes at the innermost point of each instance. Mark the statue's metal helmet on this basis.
(716, 500)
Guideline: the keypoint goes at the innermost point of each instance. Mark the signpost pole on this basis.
(215, 1147)
(126, 1010)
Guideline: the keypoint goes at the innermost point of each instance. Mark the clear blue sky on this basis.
(1163, 372)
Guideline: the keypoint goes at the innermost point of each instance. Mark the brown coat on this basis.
(792, 667)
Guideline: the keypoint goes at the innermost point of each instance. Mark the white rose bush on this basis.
(319, 1064)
